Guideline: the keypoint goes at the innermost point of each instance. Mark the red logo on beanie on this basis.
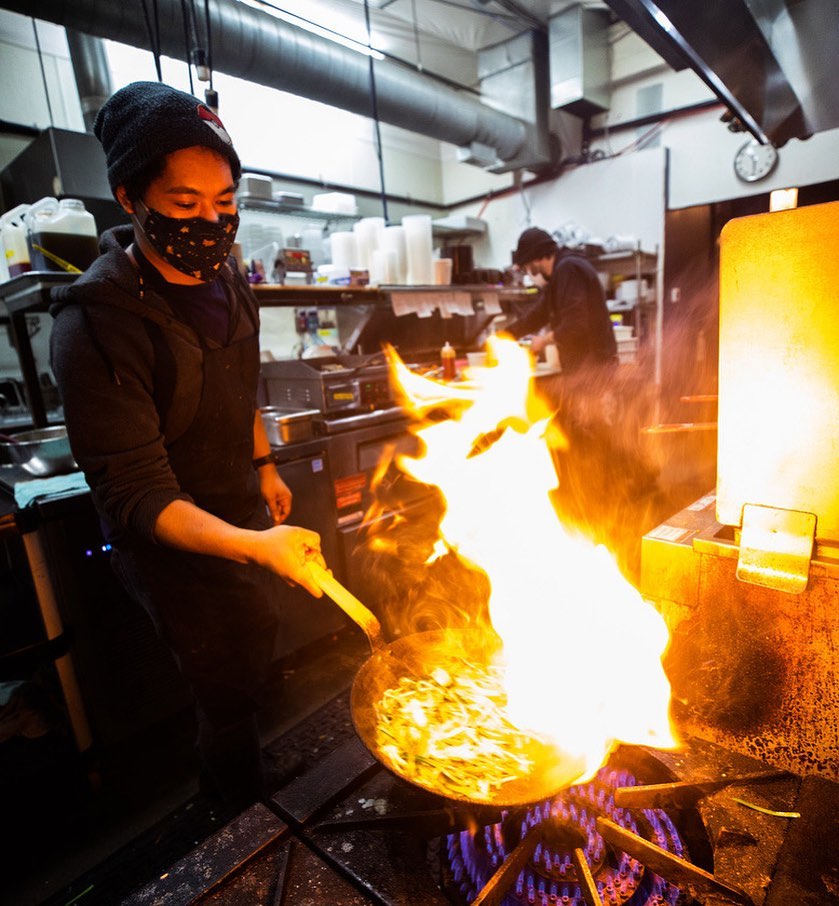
(212, 120)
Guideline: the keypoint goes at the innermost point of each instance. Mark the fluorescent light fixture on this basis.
(313, 28)
(783, 199)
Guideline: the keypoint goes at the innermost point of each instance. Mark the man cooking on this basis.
(155, 352)
(572, 303)
(605, 483)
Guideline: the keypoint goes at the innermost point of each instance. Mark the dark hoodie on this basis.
(574, 305)
(130, 375)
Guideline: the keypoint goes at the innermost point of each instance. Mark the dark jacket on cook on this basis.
(123, 359)
(573, 304)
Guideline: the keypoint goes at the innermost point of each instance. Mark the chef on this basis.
(155, 352)
(606, 484)
(572, 303)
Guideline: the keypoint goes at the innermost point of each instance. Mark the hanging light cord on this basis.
(209, 40)
(154, 35)
(185, 14)
(43, 71)
(416, 34)
(375, 104)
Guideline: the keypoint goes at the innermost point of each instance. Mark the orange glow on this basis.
(581, 648)
(779, 365)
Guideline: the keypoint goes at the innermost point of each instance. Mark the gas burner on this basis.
(561, 825)
(694, 827)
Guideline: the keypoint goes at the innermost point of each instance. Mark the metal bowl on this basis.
(42, 452)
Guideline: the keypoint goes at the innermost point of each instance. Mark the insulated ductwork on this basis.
(256, 46)
(90, 67)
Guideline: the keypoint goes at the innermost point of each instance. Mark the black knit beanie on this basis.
(533, 245)
(148, 120)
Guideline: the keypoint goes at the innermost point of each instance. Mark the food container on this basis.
(288, 426)
(627, 350)
(42, 452)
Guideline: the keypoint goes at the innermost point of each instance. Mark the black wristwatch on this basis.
(263, 460)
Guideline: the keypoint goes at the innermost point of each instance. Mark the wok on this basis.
(416, 656)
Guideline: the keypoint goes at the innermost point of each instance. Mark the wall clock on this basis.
(754, 161)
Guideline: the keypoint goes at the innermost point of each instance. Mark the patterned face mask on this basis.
(192, 245)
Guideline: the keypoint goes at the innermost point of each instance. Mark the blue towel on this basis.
(27, 491)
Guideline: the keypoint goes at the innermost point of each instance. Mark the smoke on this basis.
(407, 580)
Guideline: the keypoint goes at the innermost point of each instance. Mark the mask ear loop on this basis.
(140, 206)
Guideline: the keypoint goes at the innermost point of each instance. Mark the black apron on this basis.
(218, 616)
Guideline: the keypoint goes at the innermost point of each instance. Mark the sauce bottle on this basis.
(447, 357)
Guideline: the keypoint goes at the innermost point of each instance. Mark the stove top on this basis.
(698, 826)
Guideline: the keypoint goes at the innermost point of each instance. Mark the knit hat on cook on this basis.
(533, 244)
(148, 120)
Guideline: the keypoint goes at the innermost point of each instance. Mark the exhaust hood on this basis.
(769, 61)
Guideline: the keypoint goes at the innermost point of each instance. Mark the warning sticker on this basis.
(670, 533)
(348, 490)
(703, 503)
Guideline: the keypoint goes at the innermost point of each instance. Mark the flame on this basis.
(581, 648)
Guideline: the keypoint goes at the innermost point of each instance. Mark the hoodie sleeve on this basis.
(103, 364)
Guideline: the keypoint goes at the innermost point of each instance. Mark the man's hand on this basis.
(286, 549)
(275, 493)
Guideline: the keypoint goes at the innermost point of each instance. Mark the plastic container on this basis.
(13, 240)
(62, 235)
(627, 350)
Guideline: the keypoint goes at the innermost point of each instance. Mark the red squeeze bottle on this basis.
(447, 356)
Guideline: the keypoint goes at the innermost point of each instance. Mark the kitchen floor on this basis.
(78, 846)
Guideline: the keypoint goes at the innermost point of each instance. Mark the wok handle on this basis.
(347, 601)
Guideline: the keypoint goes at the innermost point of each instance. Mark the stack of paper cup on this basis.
(383, 267)
(393, 241)
(418, 248)
(344, 252)
(378, 268)
(368, 232)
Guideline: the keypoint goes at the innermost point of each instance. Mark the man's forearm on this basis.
(187, 527)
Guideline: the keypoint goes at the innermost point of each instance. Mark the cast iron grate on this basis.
(178, 833)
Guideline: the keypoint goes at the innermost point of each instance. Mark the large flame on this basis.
(581, 648)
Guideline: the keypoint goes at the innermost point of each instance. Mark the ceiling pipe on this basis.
(258, 47)
(93, 77)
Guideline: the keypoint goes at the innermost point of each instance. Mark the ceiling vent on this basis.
(513, 78)
(579, 60)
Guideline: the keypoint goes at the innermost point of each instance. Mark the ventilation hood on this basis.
(770, 62)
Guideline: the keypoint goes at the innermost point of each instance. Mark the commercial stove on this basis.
(747, 577)
(746, 810)
(336, 385)
(701, 825)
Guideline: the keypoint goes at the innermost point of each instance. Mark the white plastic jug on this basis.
(62, 235)
(13, 233)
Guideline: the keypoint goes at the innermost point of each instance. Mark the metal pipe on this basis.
(93, 77)
(256, 46)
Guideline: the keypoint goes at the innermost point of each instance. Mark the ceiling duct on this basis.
(93, 78)
(579, 59)
(513, 76)
(771, 62)
(256, 46)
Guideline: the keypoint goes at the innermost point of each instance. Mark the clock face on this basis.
(754, 161)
